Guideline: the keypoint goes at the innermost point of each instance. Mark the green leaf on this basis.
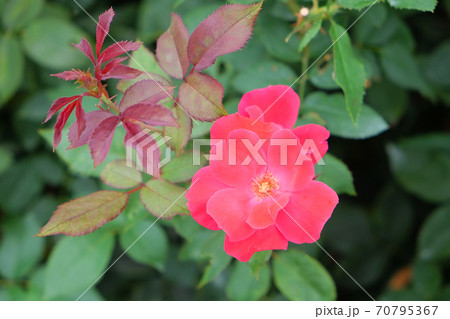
(86, 214)
(79, 159)
(185, 226)
(310, 34)
(200, 95)
(12, 66)
(336, 175)
(243, 286)
(388, 99)
(179, 135)
(434, 237)
(331, 109)
(422, 165)
(212, 250)
(443, 296)
(219, 261)
(36, 288)
(19, 250)
(273, 32)
(151, 249)
(206, 245)
(422, 5)
(18, 187)
(163, 199)
(200, 130)
(144, 60)
(401, 68)
(258, 260)
(48, 41)
(301, 277)
(182, 168)
(394, 214)
(36, 284)
(263, 74)
(347, 216)
(6, 159)
(426, 279)
(356, 4)
(322, 76)
(76, 263)
(47, 167)
(438, 65)
(118, 175)
(18, 13)
(193, 14)
(13, 293)
(349, 72)
(253, 53)
(152, 18)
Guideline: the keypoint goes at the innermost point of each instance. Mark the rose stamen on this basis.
(265, 185)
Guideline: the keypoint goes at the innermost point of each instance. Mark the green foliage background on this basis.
(391, 230)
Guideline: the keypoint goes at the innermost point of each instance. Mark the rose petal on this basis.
(204, 185)
(266, 211)
(264, 239)
(229, 208)
(304, 216)
(314, 138)
(279, 103)
(286, 163)
(240, 163)
(223, 126)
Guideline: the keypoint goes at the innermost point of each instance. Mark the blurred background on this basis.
(391, 230)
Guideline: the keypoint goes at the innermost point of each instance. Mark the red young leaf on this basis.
(60, 122)
(145, 91)
(171, 49)
(116, 49)
(151, 114)
(201, 95)
(146, 148)
(86, 48)
(93, 119)
(225, 31)
(111, 65)
(101, 137)
(68, 75)
(122, 72)
(81, 117)
(58, 104)
(104, 21)
(86, 214)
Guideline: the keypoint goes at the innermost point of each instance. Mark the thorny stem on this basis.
(305, 65)
(110, 104)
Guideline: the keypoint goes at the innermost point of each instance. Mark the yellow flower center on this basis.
(265, 185)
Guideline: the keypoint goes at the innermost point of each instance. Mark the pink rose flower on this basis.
(259, 188)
